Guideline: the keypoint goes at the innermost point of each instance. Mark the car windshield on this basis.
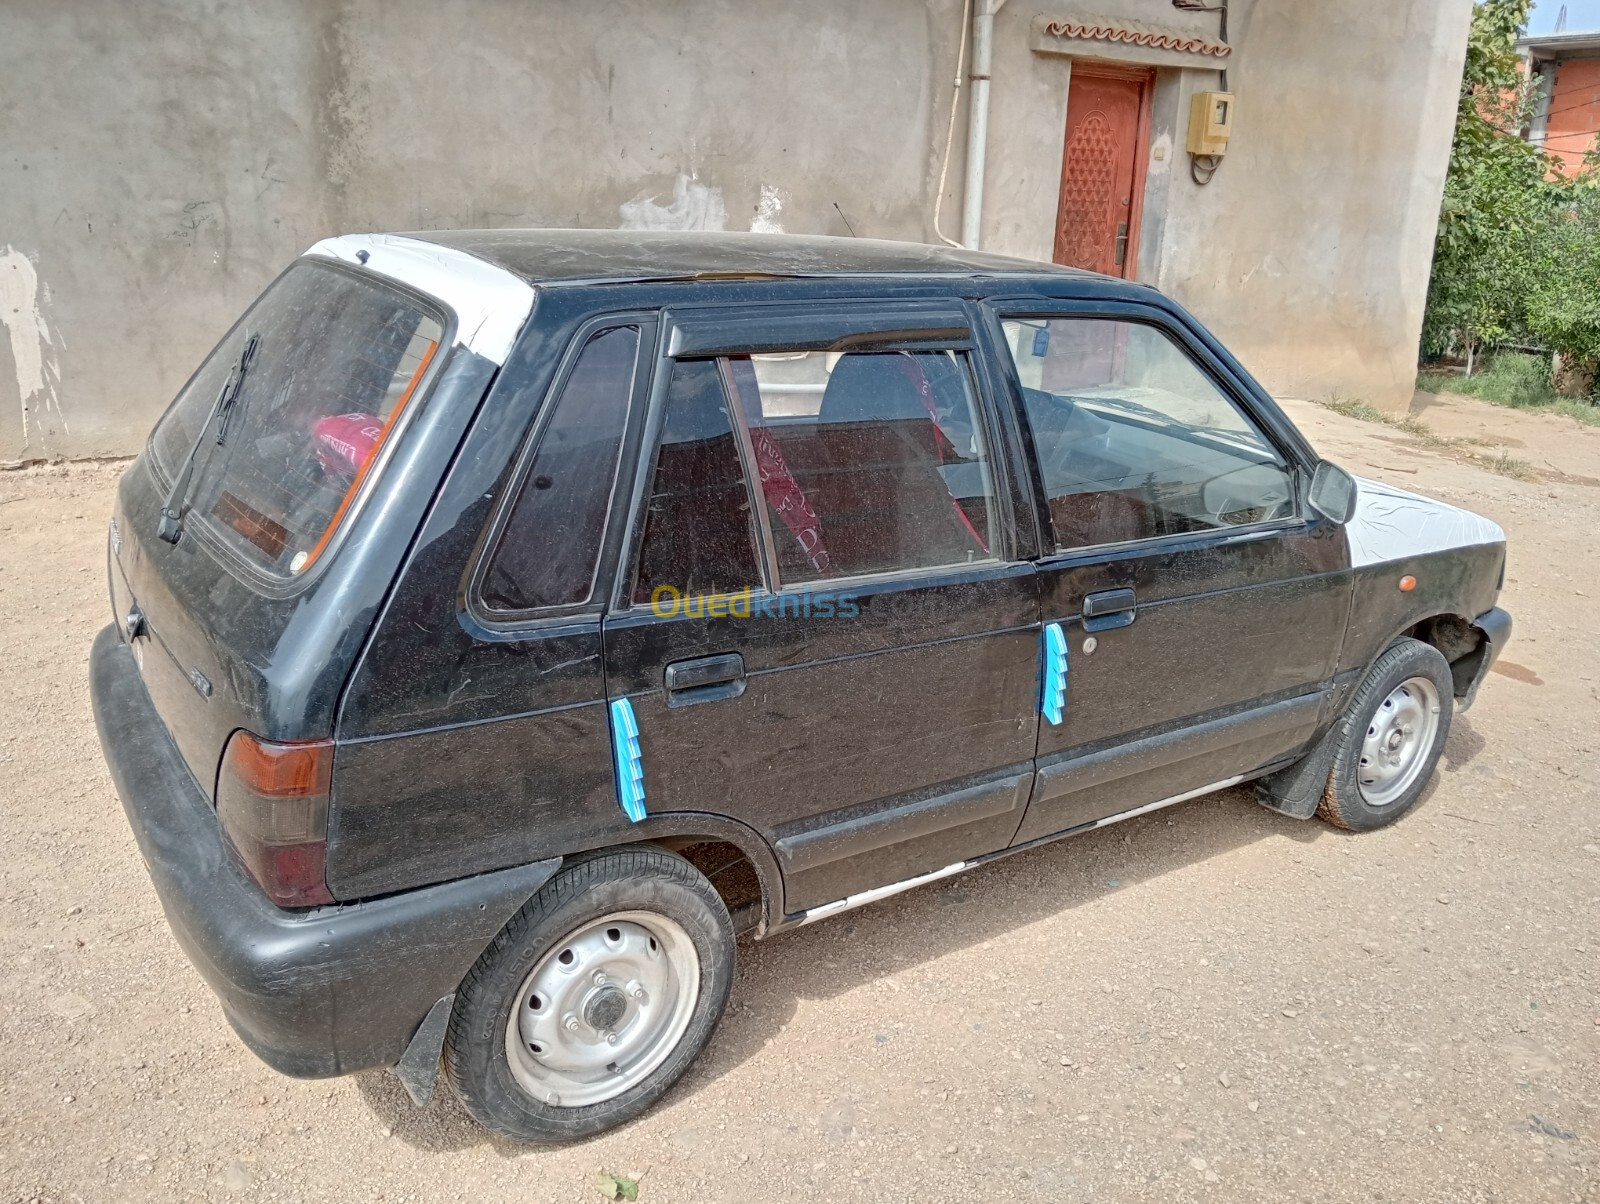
(337, 359)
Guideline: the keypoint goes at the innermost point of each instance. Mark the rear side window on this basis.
(869, 462)
(549, 548)
(699, 534)
(858, 463)
(336, 361)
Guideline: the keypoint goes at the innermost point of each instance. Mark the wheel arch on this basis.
(682, 831)
(1458, 639)
(1462, 643)
(1296, 789)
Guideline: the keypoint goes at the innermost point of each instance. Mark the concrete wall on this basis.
(160, 162)
(1310, 250)
(1308, 253)
(157, 165)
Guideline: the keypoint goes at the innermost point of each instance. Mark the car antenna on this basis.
(845, 220)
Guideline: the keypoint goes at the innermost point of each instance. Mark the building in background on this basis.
(161, 162)
(1566, 70)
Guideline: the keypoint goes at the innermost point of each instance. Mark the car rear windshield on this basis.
(321, 368)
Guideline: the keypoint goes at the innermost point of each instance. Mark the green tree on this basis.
(1563, 301)
(1497, 204)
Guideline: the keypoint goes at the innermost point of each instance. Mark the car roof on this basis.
(568, 257)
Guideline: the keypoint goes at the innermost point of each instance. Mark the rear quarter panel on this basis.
(275, 662)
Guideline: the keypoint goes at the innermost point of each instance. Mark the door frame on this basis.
(1145, 756)
(840, 856)
(1145, 77)
(717, 329)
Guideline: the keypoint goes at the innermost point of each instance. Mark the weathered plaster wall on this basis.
(640, 112)
(1309, 251)
(160, 162)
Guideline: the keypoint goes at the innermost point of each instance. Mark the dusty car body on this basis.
(504, 619)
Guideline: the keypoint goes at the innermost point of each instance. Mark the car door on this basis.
(826, 627)
(1193, 607)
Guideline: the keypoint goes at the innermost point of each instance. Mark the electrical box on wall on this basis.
(1210, 122)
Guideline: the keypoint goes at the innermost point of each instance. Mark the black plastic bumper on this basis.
(313, 993)
(1495, 627)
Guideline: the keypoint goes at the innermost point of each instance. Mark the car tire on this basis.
(1390, 738)
(594, 998)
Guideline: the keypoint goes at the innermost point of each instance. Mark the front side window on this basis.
(1134, 440)
(550, 546)
(868, 462)
(333, 362)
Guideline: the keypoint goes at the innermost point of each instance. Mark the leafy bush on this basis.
(1509, 378)
(1515, 379)
(1518, 248)
(1563, 303)
(1494, 202)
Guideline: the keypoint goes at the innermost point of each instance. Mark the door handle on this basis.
(1109, 609)
(705, 679)
(1122, 243)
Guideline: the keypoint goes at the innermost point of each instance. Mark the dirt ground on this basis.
(1210, 1002)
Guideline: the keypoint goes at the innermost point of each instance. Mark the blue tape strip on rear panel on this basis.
(629, 759)
(1053, 688)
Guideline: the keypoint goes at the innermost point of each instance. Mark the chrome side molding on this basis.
(851, 902)
(878, 892)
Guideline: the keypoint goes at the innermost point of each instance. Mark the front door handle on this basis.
(705, 679)
(1109, 609)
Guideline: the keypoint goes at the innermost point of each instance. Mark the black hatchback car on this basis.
(505, 620)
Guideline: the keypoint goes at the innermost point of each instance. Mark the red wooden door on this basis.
(1101, 177)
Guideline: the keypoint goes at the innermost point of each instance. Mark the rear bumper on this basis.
(313, 993)
(1495, 627)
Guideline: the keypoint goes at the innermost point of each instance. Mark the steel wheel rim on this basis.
(1400, 734)
(603, 1009)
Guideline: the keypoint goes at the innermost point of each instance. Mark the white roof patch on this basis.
(490, 303)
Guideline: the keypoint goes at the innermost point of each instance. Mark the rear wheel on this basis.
(594, 999)
(1390, 738)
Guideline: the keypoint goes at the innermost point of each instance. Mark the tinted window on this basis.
(549, 549)
(698, 535)
(336, 360)
(1134, 440)
(868, 462)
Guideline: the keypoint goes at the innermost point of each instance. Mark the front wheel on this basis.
(594, 999)
(1390, 738)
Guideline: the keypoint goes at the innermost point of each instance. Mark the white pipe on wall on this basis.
(978, 119)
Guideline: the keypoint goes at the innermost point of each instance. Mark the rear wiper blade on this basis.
(227, 404)
(173, 509)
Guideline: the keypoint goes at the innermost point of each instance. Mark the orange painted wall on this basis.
(1574, 111)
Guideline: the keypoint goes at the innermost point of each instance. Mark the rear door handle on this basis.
(705, 679)
(1109, 609)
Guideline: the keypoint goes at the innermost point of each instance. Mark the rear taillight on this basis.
(272, 803)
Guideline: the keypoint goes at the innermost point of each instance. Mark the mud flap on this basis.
(418, 1067)
(1297, 790)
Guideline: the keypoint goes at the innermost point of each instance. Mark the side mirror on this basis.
(1333, 492)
